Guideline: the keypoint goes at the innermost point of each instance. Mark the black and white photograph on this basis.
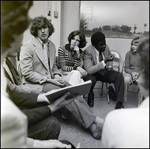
(74, 74)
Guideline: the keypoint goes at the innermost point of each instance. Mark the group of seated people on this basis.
(38, 72)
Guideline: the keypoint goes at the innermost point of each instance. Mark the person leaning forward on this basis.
(98, 64)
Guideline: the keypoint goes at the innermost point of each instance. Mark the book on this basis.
(79, 89)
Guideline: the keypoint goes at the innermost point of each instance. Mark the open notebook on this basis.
(79, 89)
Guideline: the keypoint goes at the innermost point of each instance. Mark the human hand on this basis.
(109, 58)
(58, 82)
(77, 51)
(61, 102)
(50, 144)
(135, 75)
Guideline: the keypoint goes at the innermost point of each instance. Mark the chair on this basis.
(116, 67)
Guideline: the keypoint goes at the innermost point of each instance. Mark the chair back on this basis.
(117, 60)
(123, 67)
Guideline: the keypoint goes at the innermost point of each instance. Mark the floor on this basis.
(74, 132)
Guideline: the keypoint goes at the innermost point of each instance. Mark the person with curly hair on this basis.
(129, 128)
(38, 67)
(70, 58)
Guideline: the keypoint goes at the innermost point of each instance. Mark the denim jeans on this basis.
(48, 128)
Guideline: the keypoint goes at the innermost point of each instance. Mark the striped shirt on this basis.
(68, 58)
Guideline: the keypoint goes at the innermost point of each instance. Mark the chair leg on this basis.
(107, 94)
(102, 89)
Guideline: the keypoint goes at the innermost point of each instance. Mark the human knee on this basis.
(53, 125)
(127, 78)
(76, 73)
(120, 75)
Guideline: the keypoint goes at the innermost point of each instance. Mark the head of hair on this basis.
(41, 22)
(135, 40)
(97, 37)
(14, 20)
(143, 50)
(81, 35)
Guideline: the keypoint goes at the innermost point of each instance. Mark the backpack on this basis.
(112, 93)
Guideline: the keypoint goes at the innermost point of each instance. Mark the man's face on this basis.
(101, 46)
(43, 34)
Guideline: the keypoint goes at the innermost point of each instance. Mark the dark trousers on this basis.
(48, 128)
(109, 77)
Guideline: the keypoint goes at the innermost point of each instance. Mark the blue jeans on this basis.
(48, 128)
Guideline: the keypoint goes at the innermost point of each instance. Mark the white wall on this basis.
(38, 8)
(70, 19)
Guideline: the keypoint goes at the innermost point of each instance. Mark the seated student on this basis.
(129, 128)
(132, 66)
(70, 58)
(13, 121)
(34, 68)
(35, 106)
(97, 62)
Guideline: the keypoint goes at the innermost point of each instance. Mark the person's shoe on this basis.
(91, 102)
(98, 131)
(119, 105)
(65, 113)
(91, 99)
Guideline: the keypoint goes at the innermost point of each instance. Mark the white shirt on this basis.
(45, 49)
(97, 57)
(127, 128)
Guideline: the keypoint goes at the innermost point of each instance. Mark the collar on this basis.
(42, 42)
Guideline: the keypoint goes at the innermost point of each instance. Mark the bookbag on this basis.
(112, 94)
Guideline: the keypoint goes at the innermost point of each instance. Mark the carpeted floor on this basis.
(74, 132)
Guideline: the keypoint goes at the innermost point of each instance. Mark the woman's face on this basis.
(134, 46)
(75, 42)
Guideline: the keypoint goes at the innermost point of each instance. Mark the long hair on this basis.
(41, 22)
(14, 20)
(81, 36)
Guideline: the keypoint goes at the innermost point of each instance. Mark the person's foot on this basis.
(65, 113)
(119, 105)
(91, 99)
(97, 127)
(91, 102)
